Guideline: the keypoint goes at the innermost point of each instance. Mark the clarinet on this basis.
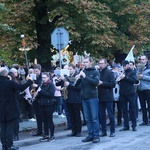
(74, 84)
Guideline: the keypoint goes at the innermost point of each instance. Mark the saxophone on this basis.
(64, 89)
(35, 94)
(64, 92)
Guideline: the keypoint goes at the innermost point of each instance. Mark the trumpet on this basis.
(120, 76)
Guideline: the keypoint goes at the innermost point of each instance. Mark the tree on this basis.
(132, 19)
(99, 27)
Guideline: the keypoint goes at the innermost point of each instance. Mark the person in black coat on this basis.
(13, 76)
(128, 95)
(45, 95)
(73, 102)
(88, 81)
(37, 83)
(9, 110)
(106, 99)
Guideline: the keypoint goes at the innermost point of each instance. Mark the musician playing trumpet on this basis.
(128, 95)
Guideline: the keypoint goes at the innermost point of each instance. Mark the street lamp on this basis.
(24, 49)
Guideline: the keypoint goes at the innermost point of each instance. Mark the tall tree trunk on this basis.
(43, 36)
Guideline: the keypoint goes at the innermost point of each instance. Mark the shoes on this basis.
(143, 124)
(61, 116)
(13, 148)
(68, 128)
(87, 139)
(78, 134)
(52, 138)
(38, 134)
(134, 129)
(45, 139)
(103, 134)
(124, 129)
(32, 120)
(72, 134)
(96, 139)
(112, 134)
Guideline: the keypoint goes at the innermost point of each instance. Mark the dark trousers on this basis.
(16, 128)
(109, 107)
(29, 109)
(38, 116)
(144, 97)
(136, 108)
(58, 105)
(47, 118)
(119, 111)
(75, 117)
(7, 128)
(67, 114)
(130, 101)
(84, 122)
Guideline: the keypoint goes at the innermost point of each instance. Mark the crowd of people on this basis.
(91, 90)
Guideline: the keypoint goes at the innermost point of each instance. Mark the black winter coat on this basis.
(127, 84)
(74, 93)
(89, 84)
(46, 95)
(8, 105)
(105, 91)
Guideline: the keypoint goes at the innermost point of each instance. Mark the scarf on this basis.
(46, 83)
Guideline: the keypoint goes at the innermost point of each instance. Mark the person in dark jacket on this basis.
(74, 102)
(45, 95)
(128, 95)
(89, 80)
(106, 99)
(144, 89)
(36, 84)
(13, 77)
(9, 110)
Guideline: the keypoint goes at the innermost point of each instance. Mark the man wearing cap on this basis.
(128, 95)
